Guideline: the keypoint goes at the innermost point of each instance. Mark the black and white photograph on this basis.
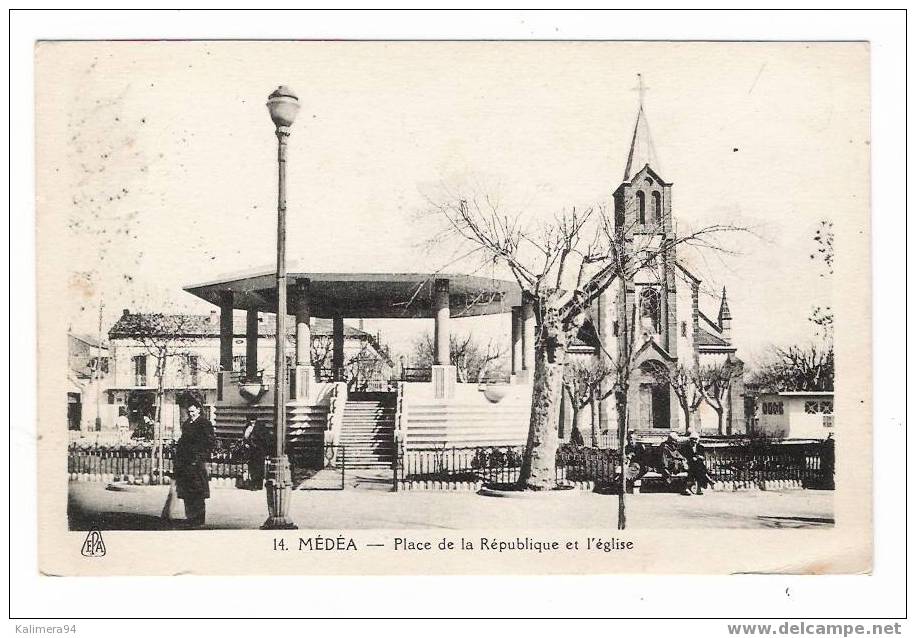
(509, 295)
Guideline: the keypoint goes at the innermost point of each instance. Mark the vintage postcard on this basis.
(547, 307)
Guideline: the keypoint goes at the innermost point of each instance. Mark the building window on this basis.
(818, 407)
(649, 305)
(140, 370)
(616, 328)
(641, 199)
(828, 420)
(772, 407)
(683, 328)
(74, 410)
(657, 207)
(99, 363)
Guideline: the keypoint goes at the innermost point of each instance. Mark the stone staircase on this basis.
(367, 430)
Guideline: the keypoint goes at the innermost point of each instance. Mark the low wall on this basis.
(475, 416)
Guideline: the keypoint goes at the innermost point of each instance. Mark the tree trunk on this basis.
(720, 413)
(538, 470)
(160, 396)
(574, 433)
(686, 410)
(594, 406)
(622, 426)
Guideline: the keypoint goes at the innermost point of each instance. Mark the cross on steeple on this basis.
(642, 149)
(642, 88)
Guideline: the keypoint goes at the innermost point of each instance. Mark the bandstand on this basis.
(373, 426)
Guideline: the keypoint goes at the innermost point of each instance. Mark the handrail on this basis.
(398, 434)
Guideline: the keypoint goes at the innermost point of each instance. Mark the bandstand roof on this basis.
(366, 295)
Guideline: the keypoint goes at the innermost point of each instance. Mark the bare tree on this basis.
(562, 268)
(822, 316)
(471, 359)
(363, 367)
(686, 386)
(584, 382)
(163, 337)
(322, 350)
(797, 369)
(714, 382)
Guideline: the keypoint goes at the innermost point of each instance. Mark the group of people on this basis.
(193, 452)
(690, 456)
(673, 457)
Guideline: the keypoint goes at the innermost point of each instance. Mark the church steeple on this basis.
(725, 317)
(724, 312)
(642, 148)
(642, 203)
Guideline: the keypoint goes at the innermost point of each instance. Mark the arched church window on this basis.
(657, 206)
(649, 311)
(641, 199)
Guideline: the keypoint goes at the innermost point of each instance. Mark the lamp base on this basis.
(278, 488)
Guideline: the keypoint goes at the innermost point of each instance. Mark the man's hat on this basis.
(695, 436)
(672, 436)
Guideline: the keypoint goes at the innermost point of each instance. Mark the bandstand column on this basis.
(516, 319)
(251, 343)
(442, 313)
(225, 331)
(444, 374)
(337, 357)
(304, 374)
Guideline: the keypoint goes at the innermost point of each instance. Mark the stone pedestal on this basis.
(302, 382)
(444, 380)
(223, 383)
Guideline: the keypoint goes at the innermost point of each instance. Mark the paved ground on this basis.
(359, 508)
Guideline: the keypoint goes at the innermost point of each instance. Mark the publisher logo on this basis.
(93, 546)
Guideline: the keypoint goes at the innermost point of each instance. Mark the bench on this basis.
(678, 484)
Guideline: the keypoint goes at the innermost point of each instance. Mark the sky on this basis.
(157, 161)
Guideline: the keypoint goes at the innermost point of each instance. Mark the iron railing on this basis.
(142, 460)
(809, 464)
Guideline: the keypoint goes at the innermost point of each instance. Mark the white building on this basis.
(189, 346)
(795, 415)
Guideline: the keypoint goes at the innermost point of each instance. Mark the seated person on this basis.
(671, 460)
(697, 473)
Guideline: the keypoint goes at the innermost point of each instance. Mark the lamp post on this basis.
(283, 106)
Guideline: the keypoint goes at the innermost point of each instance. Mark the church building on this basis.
(669, 341)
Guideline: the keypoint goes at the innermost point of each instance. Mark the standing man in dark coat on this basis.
(258, 443)
(191, 457)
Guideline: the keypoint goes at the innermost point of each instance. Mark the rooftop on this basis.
(366, 295)
(193, 325)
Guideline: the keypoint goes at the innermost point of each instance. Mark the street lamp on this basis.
(283, 106)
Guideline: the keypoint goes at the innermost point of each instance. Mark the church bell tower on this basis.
(642, 211)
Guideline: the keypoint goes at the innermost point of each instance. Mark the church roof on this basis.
(705, 338)
(642, 148)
